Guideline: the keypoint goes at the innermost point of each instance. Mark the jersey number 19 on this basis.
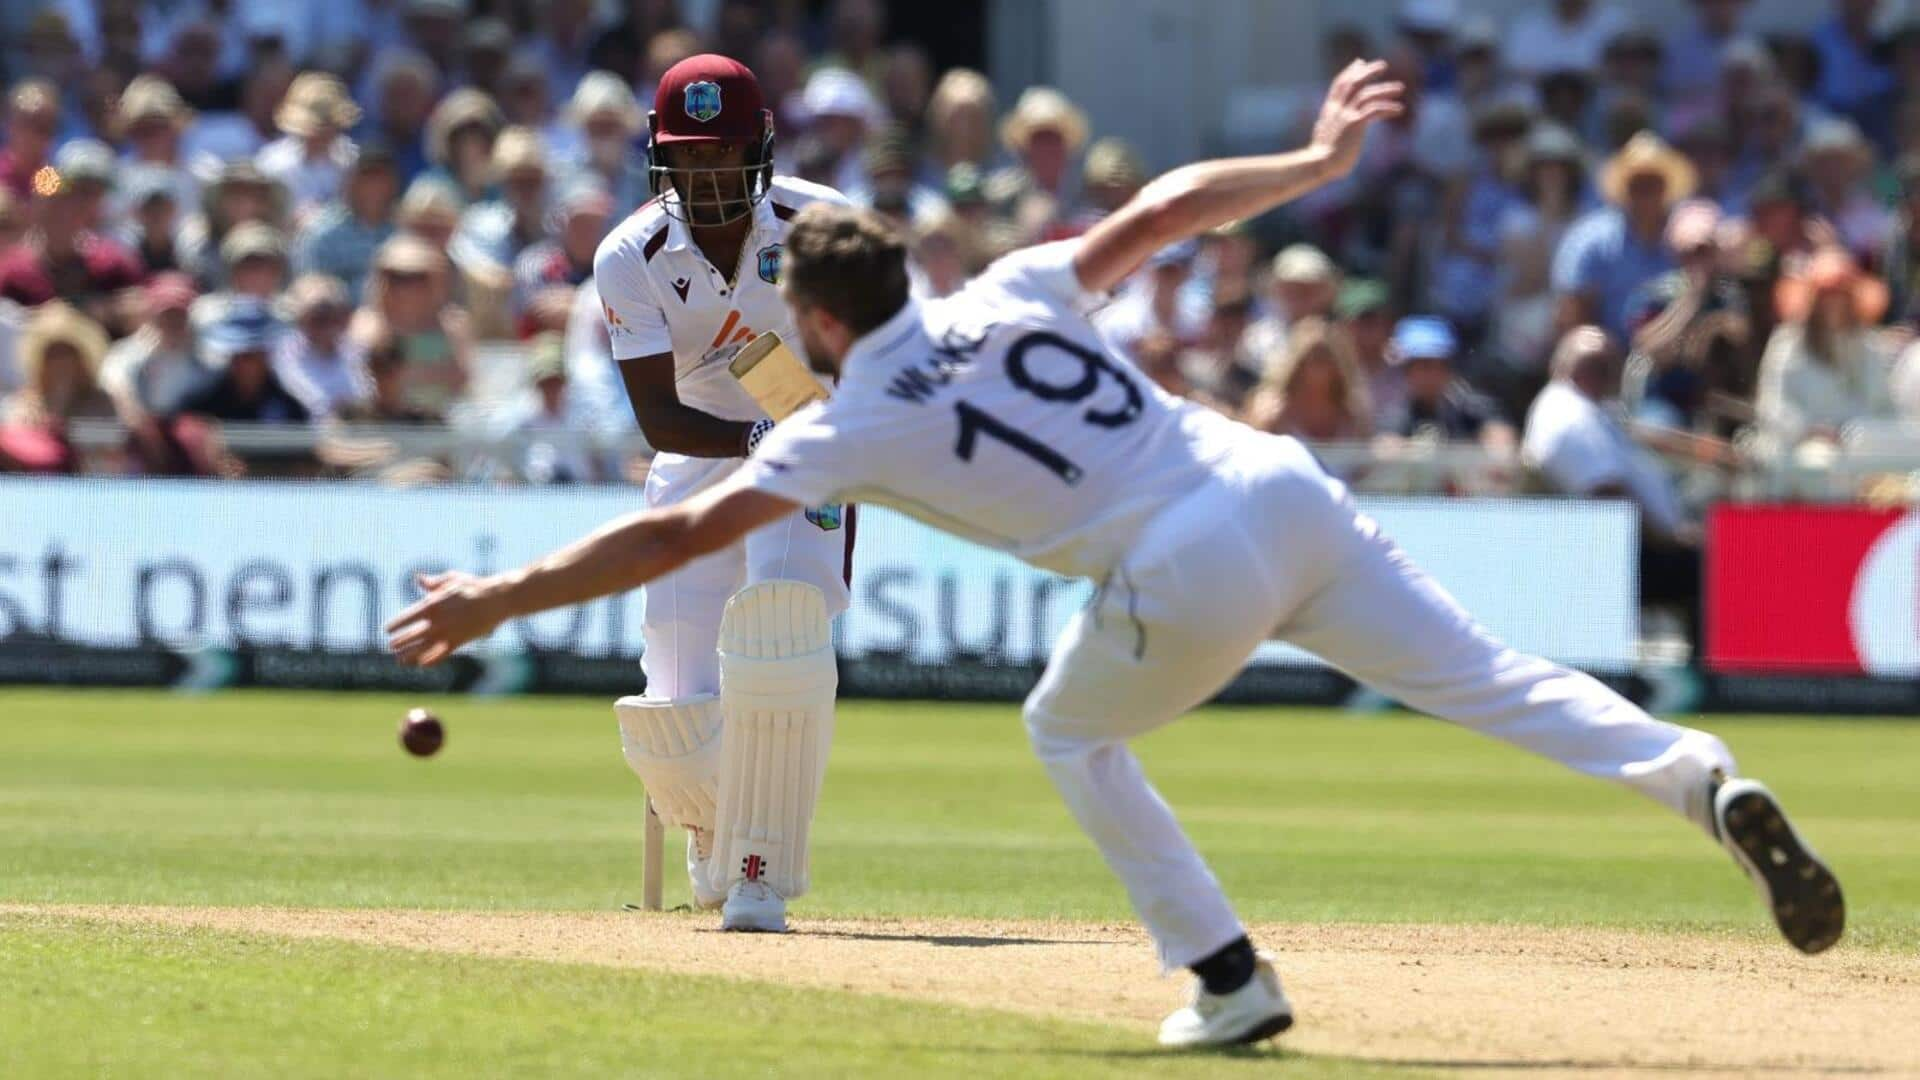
(975, 422)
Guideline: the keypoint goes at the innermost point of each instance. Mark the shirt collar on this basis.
(884, 338)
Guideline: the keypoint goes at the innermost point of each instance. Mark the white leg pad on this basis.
(674, 747)
(777, 685)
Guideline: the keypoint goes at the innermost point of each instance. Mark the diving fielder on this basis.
(999, 415)
(686, 281)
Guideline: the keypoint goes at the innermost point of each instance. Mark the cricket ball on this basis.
(421, 733)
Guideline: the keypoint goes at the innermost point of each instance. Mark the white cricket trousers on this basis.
(1273, 547)
(681, 627)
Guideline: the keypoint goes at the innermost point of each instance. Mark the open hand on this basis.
(1359, 96)
(457, 609)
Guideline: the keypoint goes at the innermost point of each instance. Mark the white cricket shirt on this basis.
(999, 414)
(660, 295)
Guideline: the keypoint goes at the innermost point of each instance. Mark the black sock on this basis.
(1227, 970)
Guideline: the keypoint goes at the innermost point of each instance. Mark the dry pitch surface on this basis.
(1466, 999)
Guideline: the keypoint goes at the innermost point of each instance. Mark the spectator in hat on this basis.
(1824, 366)
(889, 178)
(460, 138)
(1566, 99)
(340, 240)
(1427, 26)
(1838, 163)
(1218, 367)
(431, 210)
(33, 119)
(1312, 389)
(497, 231)
(389, 399)
(526, 98)
(245, 389)
(253, 258)
(405, 85)
(315, 360)
(943, 255)
(1044, 132)
(1577, 442)
(1853, 81)
(1230, 264)
(609, 120)
(1480, 78)
(485, 49)
(1114, 173)
(408, 301)
(150, 219)
(151, 373)
(1694, 52)
(840, 112)
(1612, 251)
(1154, 301)
(1438, 406)
(241, 133)
(153, 119)
(239, 194)
(1630, 73)
(960, 122)
(1691, 331)
(60, 354)
(1363, 314)
(1562, 35)
(1553, 194)
(1302, 283)
(88, 166)
(549, 429)
(546, 274)
(63, 256)
(311, 159)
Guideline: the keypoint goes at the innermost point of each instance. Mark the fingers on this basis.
(418, 609)
(1356, 74)
(1385, 91)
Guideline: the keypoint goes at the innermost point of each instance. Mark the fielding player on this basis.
(686, 280)
(999, 415)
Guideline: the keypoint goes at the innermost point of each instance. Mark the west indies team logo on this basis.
(770, 264)
(826, 517)
(703, 100)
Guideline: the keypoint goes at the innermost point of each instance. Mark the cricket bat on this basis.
(776, 378)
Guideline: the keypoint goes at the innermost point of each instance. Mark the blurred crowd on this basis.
(1585, 239)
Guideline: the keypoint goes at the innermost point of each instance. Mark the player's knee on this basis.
(1055, 740)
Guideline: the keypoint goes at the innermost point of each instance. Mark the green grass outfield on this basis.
(930, 810)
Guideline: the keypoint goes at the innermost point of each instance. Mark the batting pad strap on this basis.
(777, 684)
(674, 747)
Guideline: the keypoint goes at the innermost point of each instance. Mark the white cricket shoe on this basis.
(699, 848)
(753, 907)
(1799, 889)
(1256, 1011)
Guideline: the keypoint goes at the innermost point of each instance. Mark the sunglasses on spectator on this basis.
(405, 277)
(44, 123)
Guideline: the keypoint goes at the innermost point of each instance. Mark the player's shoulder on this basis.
(637, 240)
(789, 195)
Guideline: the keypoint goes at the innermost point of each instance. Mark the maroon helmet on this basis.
(710, 99)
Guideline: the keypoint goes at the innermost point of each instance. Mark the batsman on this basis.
(731, 745)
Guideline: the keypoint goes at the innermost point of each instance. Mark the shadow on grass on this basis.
(1273, 1053)
(951, 941)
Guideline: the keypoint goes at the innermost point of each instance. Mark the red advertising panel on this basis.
(1813, 589)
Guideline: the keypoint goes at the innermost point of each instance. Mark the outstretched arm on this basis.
(1195, 198)
(622, 555)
